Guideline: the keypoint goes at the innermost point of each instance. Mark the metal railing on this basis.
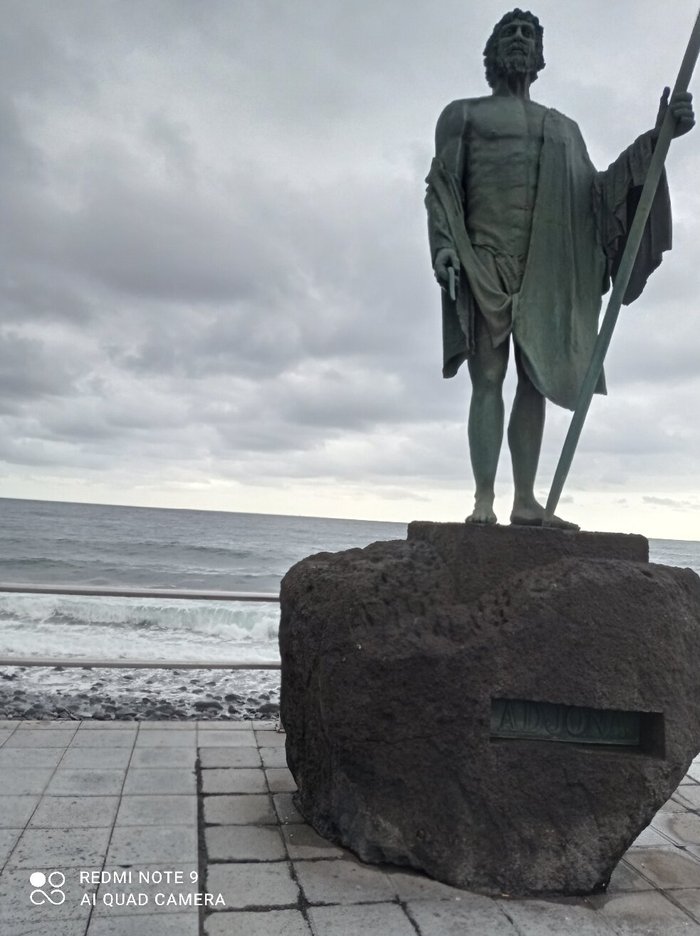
(98, 591)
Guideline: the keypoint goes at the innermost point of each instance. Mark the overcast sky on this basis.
(216, 288)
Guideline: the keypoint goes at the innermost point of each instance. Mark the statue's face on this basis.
(516, 46)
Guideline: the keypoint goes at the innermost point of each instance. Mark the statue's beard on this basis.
(514, 63)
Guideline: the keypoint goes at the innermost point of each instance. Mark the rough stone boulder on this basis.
(505, 709)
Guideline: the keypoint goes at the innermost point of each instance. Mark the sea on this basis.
(55, 543)
(52, 543)
(63, 544)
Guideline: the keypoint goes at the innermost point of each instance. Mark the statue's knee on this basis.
(489, 379)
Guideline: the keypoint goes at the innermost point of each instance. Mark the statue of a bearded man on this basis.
(525, 236)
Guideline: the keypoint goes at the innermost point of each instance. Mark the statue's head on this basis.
(515, 45)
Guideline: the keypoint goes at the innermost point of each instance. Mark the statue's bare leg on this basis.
(525, 431)
(487, 369)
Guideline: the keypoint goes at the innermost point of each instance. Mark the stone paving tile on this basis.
(30, 757)
(15, 781)
(152, 809)
(243, 843)
(303, 842)
(645, 914)
(273, 756)
(385, 918)
(15, 811)
(101, 724)
(60, 848)
(105, 739)
(342, 881)
(218, 738)
(233, 780)
(8, 840)
(58, 724)
(58, 928)
(136, 845)
(229, 757)
(5, 733)
(280, 780)
(413, 885)
(157, 738)
(154, 924)
(553, 918)
(626, 878)
(285, 808)
(16, 907)
(10, 723)
(33, 738)
(473, 914)
(160, 780)
(156, 890)
(689, 900)
(162, 725)
(163, 757)
(650, 837)
(676, 804)
(81, 758)
(270, 738)
(258, 884)
(241, 809)
(262, 923)
(72, 812)
(233, 725)
(681, 828)
(667, 868)
(88, 782)
(688, 795)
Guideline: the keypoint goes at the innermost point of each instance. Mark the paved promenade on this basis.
(188, 829)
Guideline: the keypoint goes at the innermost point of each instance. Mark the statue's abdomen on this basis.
(502, 158)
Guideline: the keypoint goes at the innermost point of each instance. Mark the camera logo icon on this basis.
(48, 888)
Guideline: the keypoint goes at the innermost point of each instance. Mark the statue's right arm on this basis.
(450, 136)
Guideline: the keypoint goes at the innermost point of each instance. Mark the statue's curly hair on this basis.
(493, 70)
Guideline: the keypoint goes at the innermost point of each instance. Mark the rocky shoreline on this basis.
(134, 695)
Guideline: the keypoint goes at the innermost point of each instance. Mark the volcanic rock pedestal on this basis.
(504, 708)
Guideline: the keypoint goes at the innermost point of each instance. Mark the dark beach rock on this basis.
(503, 724)
(210, 704)
(127, 694)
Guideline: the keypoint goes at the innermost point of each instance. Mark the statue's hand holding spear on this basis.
(681, 105)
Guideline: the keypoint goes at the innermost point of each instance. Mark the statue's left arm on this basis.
(616, 195)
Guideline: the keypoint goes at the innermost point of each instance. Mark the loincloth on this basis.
(507, 271)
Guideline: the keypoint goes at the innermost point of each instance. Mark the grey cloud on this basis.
(31, 369)
(215, 240)
(671, 502)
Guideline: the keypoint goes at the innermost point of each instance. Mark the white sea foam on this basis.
(123, 628)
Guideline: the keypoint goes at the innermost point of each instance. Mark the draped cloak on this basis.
(580, 222)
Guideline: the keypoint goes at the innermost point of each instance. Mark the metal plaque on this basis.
(551, 721)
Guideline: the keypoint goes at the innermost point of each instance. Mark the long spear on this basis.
(622, 278)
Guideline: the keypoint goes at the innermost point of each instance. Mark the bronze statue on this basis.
(525, 236)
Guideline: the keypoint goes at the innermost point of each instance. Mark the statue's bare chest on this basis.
(505, 127)
(503, 144)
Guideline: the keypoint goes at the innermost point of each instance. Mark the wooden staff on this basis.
(622, 278)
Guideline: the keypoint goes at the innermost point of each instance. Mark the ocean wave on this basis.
(48, 622)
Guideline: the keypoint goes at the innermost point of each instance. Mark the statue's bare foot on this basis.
(535, 516)
(482, 514)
